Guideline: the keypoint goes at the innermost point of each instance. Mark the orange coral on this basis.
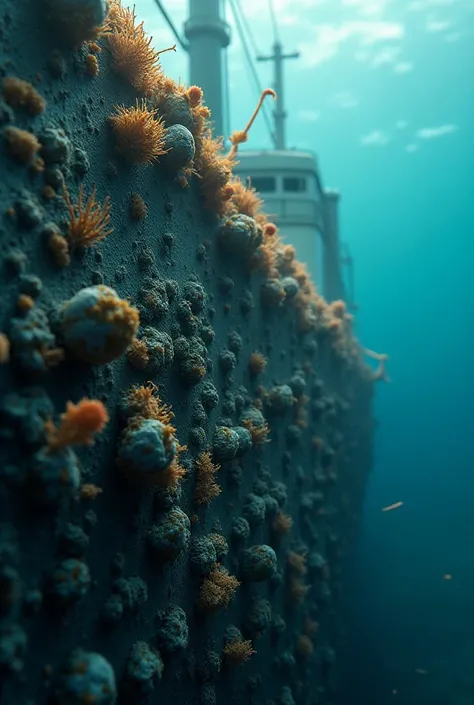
(215, 171)
(245, 199)
(282, 523)
(21, 145)
(259, 434)
(87, 221)
(4, 349)
(296, 562)
(257, 363)
(217, 590)
(138, 355)
(238, 651)
(133, 55)
(21, 94)
(194, 95)
(143, 402)
(91, 65)
(206, 488)
(297, 590)
(140, 133)
(304, 646)
(78, 424)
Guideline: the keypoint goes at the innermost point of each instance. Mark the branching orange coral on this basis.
(245, 199)
(206, 488)
(143, 402)
(217, 590)
(78, 424)
(87, 221)
(140, 133)
(133, 55)
(259, 434)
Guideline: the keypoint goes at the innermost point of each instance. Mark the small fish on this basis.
(421, 671)
(392, 506)
(447, 576)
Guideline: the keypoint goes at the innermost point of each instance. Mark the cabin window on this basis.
(263, 184)
(294, 184)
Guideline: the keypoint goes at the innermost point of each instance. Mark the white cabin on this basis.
(290, 186)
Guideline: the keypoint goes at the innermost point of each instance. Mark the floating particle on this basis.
(391, 507)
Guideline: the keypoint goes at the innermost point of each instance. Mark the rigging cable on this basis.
(273, 20)
(250, 62)
(227, 127)
(247, 29)
(182, 43)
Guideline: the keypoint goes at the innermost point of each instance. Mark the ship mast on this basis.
(208, 34)
(279, 114)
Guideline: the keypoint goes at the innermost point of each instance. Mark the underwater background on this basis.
(384, 94)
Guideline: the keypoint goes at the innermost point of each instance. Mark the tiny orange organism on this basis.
(138, 355)
(88, 222)
(304, 646)
(237, 652)
(140, 133)
(21, 145)
(4, 349)
(282, 523)
(78, 424)
(194, 95)
(91, 65)
(90, 491)
(296, 562)
(257, 363)
(59, 248)
(21, 94)
(206, 488)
